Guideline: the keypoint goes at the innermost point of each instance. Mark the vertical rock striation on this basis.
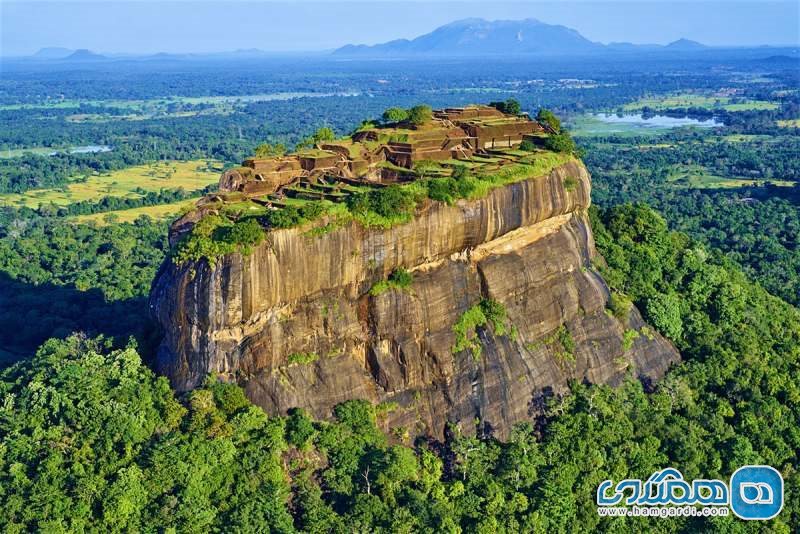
(527, 246)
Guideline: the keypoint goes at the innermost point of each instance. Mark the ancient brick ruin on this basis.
(383, 154)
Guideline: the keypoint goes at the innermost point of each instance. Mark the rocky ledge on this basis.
(503, 307)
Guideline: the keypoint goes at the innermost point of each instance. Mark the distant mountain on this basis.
(480, 37)
(53, 52)
(504, 37)
(683, 45)
(84, 55)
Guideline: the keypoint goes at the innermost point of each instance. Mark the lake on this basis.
(655, 121)
(88, 149)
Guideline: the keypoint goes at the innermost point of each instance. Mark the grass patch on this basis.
(692, 100)
(302, 358)
(159, 212)
(628, 338)
(560, 340)
(190, 175)
(698, 177)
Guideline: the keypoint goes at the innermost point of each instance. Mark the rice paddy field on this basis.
(190, 175)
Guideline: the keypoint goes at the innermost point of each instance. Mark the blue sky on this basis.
(209, 26)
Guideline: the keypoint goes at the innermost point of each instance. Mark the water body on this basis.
(87, 149)
(655, 121)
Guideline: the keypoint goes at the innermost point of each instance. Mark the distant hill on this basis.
(53, 52)
(84, 55)
(478, 36)
(685, 45)
(503, 37)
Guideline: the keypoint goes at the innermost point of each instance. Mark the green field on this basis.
(162, 211)
(17, 152)
(190, 175)
(698, 177)
(690, 100)
(587, 125)
(789, 123)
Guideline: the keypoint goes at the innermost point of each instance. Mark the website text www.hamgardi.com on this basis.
(670, 511)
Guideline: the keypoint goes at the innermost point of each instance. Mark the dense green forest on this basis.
(60, 278)
(93, 440)
(756, 224)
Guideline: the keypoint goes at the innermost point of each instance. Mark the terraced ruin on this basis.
(453, 142)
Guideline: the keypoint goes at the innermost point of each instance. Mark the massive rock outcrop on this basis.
(295, 325)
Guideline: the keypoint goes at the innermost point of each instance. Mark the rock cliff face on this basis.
(527, 246)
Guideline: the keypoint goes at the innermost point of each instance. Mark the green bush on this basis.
(311, 211)
(394, 115)
(510, 106)
(564, 337)
(291, 216)
(486, 311)
(246, 234)
(545, 117)
(399, 279)
(460, 172)
(393, 202)
(420, 114)
(302, 358)
(449, 190)
(527, 145)
(284, 217)
(561, 142)
(214, 236)
(628, 338)
(620, 306)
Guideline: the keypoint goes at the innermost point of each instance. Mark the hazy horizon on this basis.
(147, 27)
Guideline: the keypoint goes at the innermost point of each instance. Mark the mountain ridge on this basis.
(476, 36)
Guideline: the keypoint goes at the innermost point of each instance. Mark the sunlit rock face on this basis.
(527, 246)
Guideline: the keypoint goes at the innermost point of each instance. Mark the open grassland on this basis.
(190, 175)
(789, 123)
(590, 126)
(747, 138)
(690, 100)
(18, 152)
(160, 212)
(698, 177)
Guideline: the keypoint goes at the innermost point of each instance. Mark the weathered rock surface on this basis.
(527, 246)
